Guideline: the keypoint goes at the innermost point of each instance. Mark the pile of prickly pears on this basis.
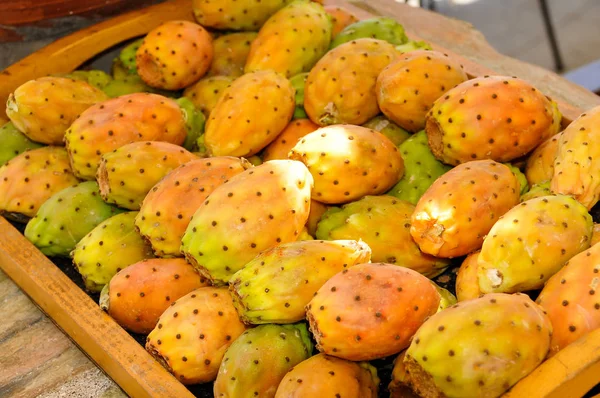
(268, 193)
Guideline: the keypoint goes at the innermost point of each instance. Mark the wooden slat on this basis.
(111, 347)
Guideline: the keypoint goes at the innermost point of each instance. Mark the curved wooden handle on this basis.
(66, 54)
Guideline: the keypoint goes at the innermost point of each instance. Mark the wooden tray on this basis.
(571, 373)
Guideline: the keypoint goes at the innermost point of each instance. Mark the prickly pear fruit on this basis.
(288, 138)
(399, 385)
(194, 123)
(570, 299)
(540, 164)
(341, 86)
(96, 78)
(497, 117)
(126, 175)
(66, 217)
(31, 178)
(383, 223)
(257, 361)
(304, 235)
(234, 128)
(111, 124)
(595, 234)
(350, 322)
(531, 243)
(44, 108)
(137, 296)
(457, 211)
(542, 189)
(413, 45)
(107, 249)
(467, 282)
(266, 205)
(381, 28)
(127, 85)
(298, 83)
(167, 209)
(340, 18)
(326, 376)
(368, 163)
(14, 143)
(230, 54)
(193, 334)
(317, 209)
(408, 87)
(266, 290)
(292, 40)
(447, 299)
(235, 14)
(577, 163)
(388, 128)
(127, 56)
(521, 179)
(421, 169)
(174, 55)
(205, 93)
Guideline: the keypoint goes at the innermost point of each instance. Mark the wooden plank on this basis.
(111, 347)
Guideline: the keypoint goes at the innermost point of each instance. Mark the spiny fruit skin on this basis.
(317, 209)
(383, 223)
(292, 40)
(541, 189)
(388, 128)
(421, 169)
(496, 117)
(192, 335)
(66, 217)
(278, 283)
(137, 296)
(111, 124)
(467, 282)
(340, 18)
(367, 163)
(205, 93)
(266, 205)
(96, 78)
(283, 144)
(14, 143)
(126, 175)
(413, 45)
(194, 123)
(167, 209)
(350, 322)
(107, 249)
(540, 164)
(230, 54)
(499, 338)
(298, 83)
(29, 179)
(326, 376)
(459, 208)
(570, 299)
(341, 86)
(257, 361)
(127, 56)
(408, 87)
(174, 55)
(532, 242)
(235, 14)
(381, 28)
(250, 113)
(521, 179)
(577, 163)
(44, 108)
(128, 84)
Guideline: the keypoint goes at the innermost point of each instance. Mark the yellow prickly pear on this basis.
(235, 14)
(205, 93)
(540, 164)
(467, 282)
(230, 54)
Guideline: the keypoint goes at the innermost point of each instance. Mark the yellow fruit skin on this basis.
(44, 108)
(408, 87)
(577, 164)
(540, 164)
(531, 243)
(459, 208)
(235, 14)
(231, 52)
(340, 88)
(317, 209)
(340, 17)
(467, 282)
(283, 144)
(250, 114)
(205, 93)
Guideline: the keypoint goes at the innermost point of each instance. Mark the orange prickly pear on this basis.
(367, 163)
(499, 338)
(317, 209)
(340, 88)
(192, 335)
(496, 117)
(595, 234)
(234, 128)
(230, 54)
(532, 242)
(459, 208)
(288, 138)
(467, 282)
(350, 322)
(205, 93)
(235, 14)
(340, 17)
(174, 55)
(408, 87)
(540, 164)
(399, 386)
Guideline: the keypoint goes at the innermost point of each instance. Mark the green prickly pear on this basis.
(230, 54)
(127, 56)
(66, 217)
(413, 45)
(267, 290)
(388, 128)
(205, 93)
(14, 143)
(235, 14)
(521, 179)
(194, 123)
(532, 242)
(540, 164)
(298, 83)
(281, 146)
(381, 28)
(257, 361)
(107, 249)
(541, 189)
(383, 223)
(96, 78)
(421, 169)
(127, 85)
